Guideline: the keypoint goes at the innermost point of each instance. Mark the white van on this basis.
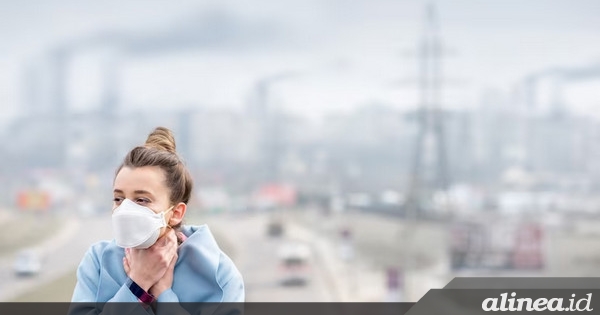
(294, 264)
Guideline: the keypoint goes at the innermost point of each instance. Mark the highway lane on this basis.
(256, 256)
(60, 254)
(253, 251)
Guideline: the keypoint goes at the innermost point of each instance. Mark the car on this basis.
(294, 264)
(27, 263)
(275, 228)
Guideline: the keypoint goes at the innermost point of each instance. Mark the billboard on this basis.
(497, 245)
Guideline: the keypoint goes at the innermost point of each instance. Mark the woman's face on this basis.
(144, 186)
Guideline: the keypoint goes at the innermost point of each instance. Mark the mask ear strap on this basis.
(165, 213)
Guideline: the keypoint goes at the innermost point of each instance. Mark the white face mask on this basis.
(137, 226)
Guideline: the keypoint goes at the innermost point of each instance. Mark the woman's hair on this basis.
(159, 150)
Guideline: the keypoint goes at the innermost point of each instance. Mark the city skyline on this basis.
(347, 56)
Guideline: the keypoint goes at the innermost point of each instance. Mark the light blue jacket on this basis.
(203, 273)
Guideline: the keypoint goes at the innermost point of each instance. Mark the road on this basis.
(255, 254)
(60, 255)
(378, 240)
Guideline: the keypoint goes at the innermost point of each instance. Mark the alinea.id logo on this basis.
(505, 304)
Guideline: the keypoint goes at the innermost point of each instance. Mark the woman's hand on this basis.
(166, 282)
(147, 266)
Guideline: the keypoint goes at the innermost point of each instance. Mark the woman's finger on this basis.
(173, 261)
(181, 236)
(172, 236)
(165, 239)
(126, 266)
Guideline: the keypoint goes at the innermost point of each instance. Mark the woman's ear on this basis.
(178, 214)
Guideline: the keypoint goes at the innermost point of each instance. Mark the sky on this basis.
(344, 54)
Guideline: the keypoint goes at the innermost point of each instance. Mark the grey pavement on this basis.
(60, 254)
(330, 278)
(255, 254)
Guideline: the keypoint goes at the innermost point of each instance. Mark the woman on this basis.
(154, 258)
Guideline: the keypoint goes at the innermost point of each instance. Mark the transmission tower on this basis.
(430, 121)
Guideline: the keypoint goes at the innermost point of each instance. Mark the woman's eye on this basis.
(117, 200)
(142, 201)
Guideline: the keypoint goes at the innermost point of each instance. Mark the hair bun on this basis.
(161, 138)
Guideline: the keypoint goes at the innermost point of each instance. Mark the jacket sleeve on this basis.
(84, 299)
(172, 306)
(233, 288)
(88, 278)
(231, 281)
